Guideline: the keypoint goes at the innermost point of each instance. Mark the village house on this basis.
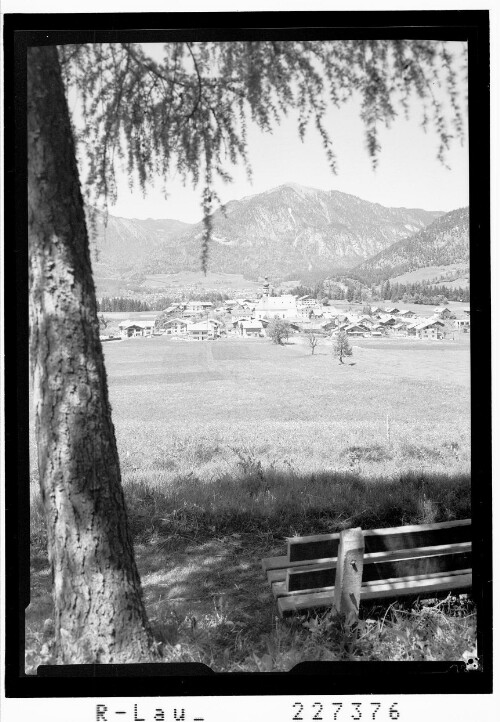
(129, 329)
(199, 306)
(392, 310)
(176, 326)
(316, 312)
(407, 314)
(411, 328)
(329, 325)
(430, 329)
(239, 311)
(388, 321)
(399, 329)
(354, 329)
(442, 312)
(251, 328)
(306, 301)
(463, 324)
(203, 330)
(174, 308)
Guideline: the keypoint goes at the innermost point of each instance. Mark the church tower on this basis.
(265, 288)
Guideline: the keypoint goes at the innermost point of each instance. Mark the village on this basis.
(249, 317)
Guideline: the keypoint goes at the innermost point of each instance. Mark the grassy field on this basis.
(183, 408)
(430, 273)
(229, 446)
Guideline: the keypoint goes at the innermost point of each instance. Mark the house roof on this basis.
(176, 320)
(202, 326)
(428, 322)
(356, 326)
(251, 324)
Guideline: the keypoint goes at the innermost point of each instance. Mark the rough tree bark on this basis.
(99, 612)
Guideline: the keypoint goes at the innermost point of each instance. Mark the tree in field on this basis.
(187, 113)
(341, 346)
(313, 340)
(103, 322)
(278, 330)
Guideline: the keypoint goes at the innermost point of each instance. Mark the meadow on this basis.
(185, 408)
(229, 446)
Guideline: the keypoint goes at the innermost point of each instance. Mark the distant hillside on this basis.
(283, 232)
(453, 275)
(445, 242)
(127, 244)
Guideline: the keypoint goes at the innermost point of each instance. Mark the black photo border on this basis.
(22, 30)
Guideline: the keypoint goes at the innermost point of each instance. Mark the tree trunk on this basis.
(99, 612)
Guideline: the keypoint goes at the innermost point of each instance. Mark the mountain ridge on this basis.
(281, 232)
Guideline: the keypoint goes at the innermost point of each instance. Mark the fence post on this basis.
(349, 573)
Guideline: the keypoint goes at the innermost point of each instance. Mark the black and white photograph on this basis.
(257, 346)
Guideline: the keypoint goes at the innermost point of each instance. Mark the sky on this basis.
(408, 173)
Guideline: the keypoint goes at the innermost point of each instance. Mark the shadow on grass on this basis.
(199, 548)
